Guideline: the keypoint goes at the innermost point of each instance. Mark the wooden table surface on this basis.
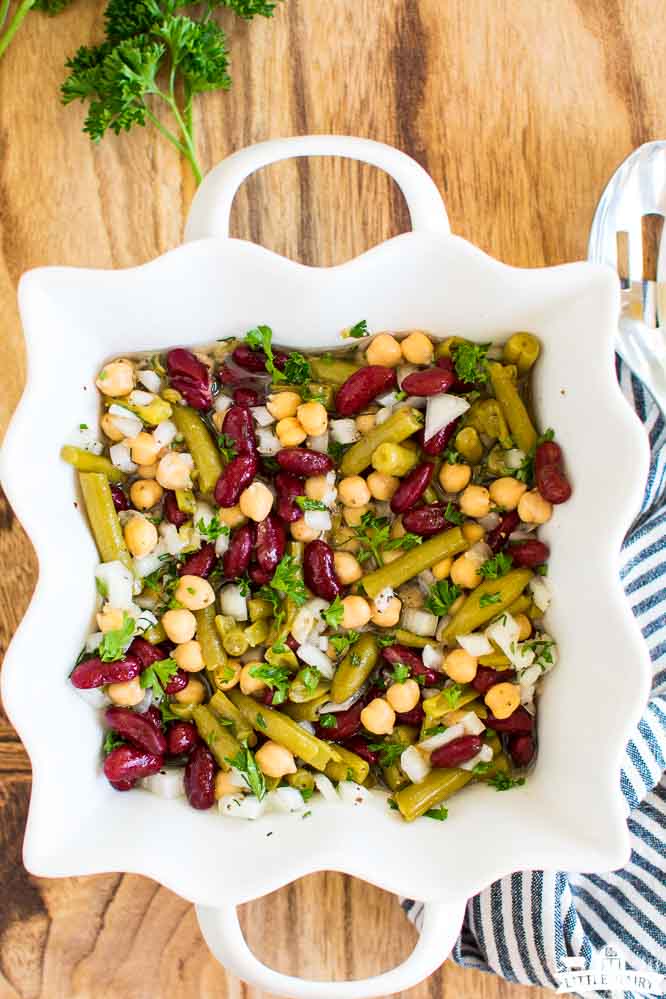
(520, 111)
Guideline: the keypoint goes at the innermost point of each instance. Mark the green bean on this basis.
(349, 767)
(515, 411)
(440, 784)
(281, 729)
(307, 710)
(302, 779)
(469, 445)
(257, 632)
(437, 707)
(282, 660)
(393, 459)
(397, 428)
(84, 461)
(522, 349)
(496, 660)
(331, 369)
(233, 640)
(103, 519)
(477, 610)
(259, 609)
(155, 412)
(220, 705)
(486, 417)
(443, 349)
(300, 693)
(430, 496)
(208, 637)
(520, 606)
(355, 668)
(424, 556)
(394, 776)
(296, 550)
(200, 444)
(186, 500)
(182, 711)
(411, 640)
(222, 744)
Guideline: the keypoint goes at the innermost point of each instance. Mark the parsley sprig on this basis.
(497, 566)
(373, 533)
(306, 504)
(288, 582)
(341, 643)
(157, 676)
(334, 614)
(502, 782)
(389, 752)
(245, 762)
(113, 644)
(226, 446)
(442, 595)
(358, 330)
(277, 678)
(213, 530)
(297, 368)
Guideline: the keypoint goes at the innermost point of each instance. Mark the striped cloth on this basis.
(524, 926)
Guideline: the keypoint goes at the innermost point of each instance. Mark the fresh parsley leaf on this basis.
(157, 676)
(359, 330)
(245, 762)
(213, 530)
(481, 768)
(373, 533)
(452, 457)
(101, 587)
(543, 651)
(488, 599)
(226, 445)
(525, 472)
(502, 782)
(442, 595)
(334, 614)
(440, 814)
(401, 673)
(83, 426)
(277, 678)
(497, 566)
(306, 793)
(310, 504)
(435, 730)
(341, 643)
(306, 815)
(113, 644)
(288, 580)
(389, 752)
(279, 647)
(407, 541)
(310, 677)
(542, 570)
(547, 436)
(392, 803)
(261, 721)
(453, 514)
(452, 695)
(111, 741)
(470, 361)
(297, 369)
(328, 721)
(336, 451)
(244, 585)
(261, 338)
(386, 639)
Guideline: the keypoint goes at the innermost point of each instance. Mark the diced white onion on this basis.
(344, 431)
(413, 402)
(92, 641)
(165, 433)
(237, 779)
(174, 543)
(383, 415)
(484, 755)
(318, 520)
(352, 793)
(203, 511)
(145, 619)
(94, 697)
(121, 458)
(479, 551)
(85, 437)
(325, 788)
(313, 656)
(514, 458)
(524, 533)
(262, 416)
(419, 622)
(125, 422)
(139, 398)
(242, 806)
(267, 442)
(116, 580)
(286, 799)
(433, 742)
(540, 592)
(222, 403)
(472, 723)
(388, 398)
(232, 602)
(308, 620)
(332, 708)
(414, 764)
(166, 784)
(476, 644)
(323, 643)
(441, 410)
(222, 544)
(490, 521)
(429, 692)
(146, 564)
(383, 598)
(433, 657)
(319, 443)
(150, 380)
(146, 701)
(504, 632)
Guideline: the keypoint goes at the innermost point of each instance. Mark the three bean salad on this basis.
(319, 573)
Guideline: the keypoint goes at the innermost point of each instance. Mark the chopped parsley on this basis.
(245, 762)
(359, 330)
(470, 361)
(452, 695)
(226, 446)
(306, 793)
(373, 533)
(442, 595)
(288, 580)
(440, 814)
(260, 338)
(487, 599)
(481, 768)
(157, 676)
(277, 678)
(401, 673)
(334, 614)
(502, 782)
(336, 451)
(213, 530)
(111, 741)
(452, 457)
(388, 639)
(113, 644)
(542, 570)
(261, 721)
(542, 648)
(244, 585)
(547, 436)
(310, 504)
(435, 730)
(496, 566)
(101, 587)
(328, 721)
(310, 677)
(453, 514)
(297, 369)
(83, 426)
(341, 643)
(389, 752)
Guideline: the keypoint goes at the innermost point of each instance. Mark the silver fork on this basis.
(636, 189)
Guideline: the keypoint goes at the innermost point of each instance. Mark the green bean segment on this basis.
(222, 744)
(487, 601)
(103, 518)
(284, 731)
(200, 444)
(444, 545)
(397, 428)
(355, 668)
(84, 461)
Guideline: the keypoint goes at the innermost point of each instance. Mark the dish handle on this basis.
(441, 926)
(211, 207)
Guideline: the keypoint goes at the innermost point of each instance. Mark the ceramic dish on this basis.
(570, 814)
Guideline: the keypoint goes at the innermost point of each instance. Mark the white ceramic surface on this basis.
(570, 814)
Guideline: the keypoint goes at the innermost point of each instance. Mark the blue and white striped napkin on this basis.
(525, 926)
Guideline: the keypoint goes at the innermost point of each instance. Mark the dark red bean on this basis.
(200, 778)
(238, 474)
(127, 763)
(122, 785)
(456, 752)
(426, 520)
(171, 510)
(551, 481)
(520, 721)
(292, 643)
(521, 749)
(267, 695)
(413, 717)
(177, 682)
(288, 487)
(527, 554)
(298, 461)
(260, 576)
(95, 673)
(412, 488)
(498, 538)
(271, 543)
(438, 442)
(359, 746)
(137, 729)
(248, 359)
(362, 387)
(120, 500)
(486, 677)
(432, 381)
(446, 364)
(347, 724)
(319, 570)
(236, 559)
(200, 563)
(402, 654)
(239, 427)
(154, 716)
(145, 652)
(181, 738)
(228, 376)
(246, 397)
(190, 376)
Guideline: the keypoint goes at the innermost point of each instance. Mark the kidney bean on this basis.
(292, 643)
(255, 360)
(551, 481)
(288, 487)
(447, 364)
(486, 677)
(520, 721)
(189, 376)
(347, 723)
(122, 785)
(136, 729)
(95, 673)
(199, 563)
(438, 442)
(432, 381)
(127, 763)
(181, 738)
(527, 554)
(238, 425)
(521, 749)
(200, 778)
(120, 500)
(171, 510)
(426, 520)
(238, 474)
(497, 538)
(298, 461)
(246, 397)
(456, 752)
(228, 376)
(319, 570)
(412, 488)
(146, 653)
(271, 543)
(260, 576)
(413, 717)
(359, 746)
(362, 387)
(154, 716)
(177, 682)
(236, 559)
(403, 654)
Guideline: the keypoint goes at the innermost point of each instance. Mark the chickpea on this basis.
(274, 760)
(346, 540)
(110, 619)
(533, 508)
(353, 491)
(403, 696)
(525, 626)
(189, 656)
(313, 417)
(301, 532)
(441, 570)
(460, 666)
(506, 492)
(194, 693)
(352, 515)
(384, 350)
(232, 516)
(356, 612)
(382, 486)
(417, 348)
(378, 717)
(108, 425)
(365, 422)
(251, 684)
(194, 593)
(116, 378)
(454, 478)
(218, 420)
(289, 432)
(316, 487)
(144, 449)
(503, 699)
(223, 672)
(465, 572)
(179, 624)
(388, 617)
(281, 405)
(347, 568)
(475, 501)
(472, 531)
(145, 493)
(127, 693)
(140, 536)
(225, 784)
(173, 470)
(397, 529)
(256, 501)
(147, 471)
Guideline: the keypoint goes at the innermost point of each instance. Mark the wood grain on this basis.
(520, 112)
